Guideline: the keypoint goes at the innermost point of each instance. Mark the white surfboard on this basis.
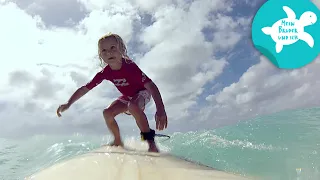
(115, 163)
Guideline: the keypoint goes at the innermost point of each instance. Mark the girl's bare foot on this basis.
(116, 143)
(152, 147)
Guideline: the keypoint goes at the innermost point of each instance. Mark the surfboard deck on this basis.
(116, 163)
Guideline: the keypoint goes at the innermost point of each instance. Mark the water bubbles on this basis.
(298, 170)
(314, 152)
(246, 144)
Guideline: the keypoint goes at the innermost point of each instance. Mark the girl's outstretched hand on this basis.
(62, 108)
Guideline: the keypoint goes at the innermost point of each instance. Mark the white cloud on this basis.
(180, 59)
(66, 56)
(264, 89)
(45, 65)
(60, 13)
(151, 6)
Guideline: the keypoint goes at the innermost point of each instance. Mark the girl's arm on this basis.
(160, 116)
(77, 95)
(97, 79)
(81, 92)
(153, 89)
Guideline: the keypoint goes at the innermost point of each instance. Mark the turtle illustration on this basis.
(296, 27)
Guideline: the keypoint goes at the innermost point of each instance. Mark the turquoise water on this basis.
(281, 146)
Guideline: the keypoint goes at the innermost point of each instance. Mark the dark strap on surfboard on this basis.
(150, 135)
(163, 135)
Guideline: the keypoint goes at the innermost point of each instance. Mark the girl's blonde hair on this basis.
(121, 45)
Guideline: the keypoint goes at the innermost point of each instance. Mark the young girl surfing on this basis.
(136, 88)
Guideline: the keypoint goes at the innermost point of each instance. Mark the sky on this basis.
(199, 54)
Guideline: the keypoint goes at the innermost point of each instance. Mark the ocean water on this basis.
(281, 146)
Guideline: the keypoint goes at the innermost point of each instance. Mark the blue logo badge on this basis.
(287, 32)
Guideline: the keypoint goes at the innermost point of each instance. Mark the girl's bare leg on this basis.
(109, 115)
(141, 119)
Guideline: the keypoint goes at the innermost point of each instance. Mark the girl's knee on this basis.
(108, 114)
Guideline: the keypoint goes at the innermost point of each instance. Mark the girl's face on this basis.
(109, 51)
